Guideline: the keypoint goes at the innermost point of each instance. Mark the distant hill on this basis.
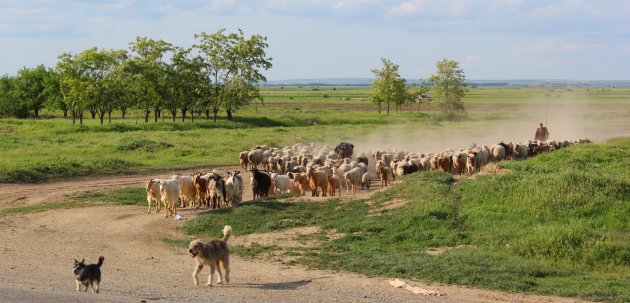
(516, 82)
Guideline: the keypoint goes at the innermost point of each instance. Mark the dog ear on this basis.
(83, 260)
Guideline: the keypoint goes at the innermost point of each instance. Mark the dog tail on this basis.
(100, 261)
(227, 232)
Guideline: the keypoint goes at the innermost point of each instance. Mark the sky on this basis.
(491, 39)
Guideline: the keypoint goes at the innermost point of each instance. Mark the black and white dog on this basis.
(88, 274)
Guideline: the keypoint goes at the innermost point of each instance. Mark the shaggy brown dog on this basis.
(211, 254)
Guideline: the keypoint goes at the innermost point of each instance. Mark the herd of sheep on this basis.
(323, 170)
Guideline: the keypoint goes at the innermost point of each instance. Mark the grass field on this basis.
(48, 149)
(557, 224)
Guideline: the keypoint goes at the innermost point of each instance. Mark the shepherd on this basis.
(542, 134)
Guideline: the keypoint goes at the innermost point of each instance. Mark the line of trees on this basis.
(448, 87)
(220, 72)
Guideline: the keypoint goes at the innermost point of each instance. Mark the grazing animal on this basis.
(344, 150)
(201, 188)
(169, 192)
(385, 173)
(318, 179)
(187, 192)
(234, 188)
(244, 159)
(334, 185)
(88, 275)
(365, 180)
(261, 183)
(214, 254)
(216, 191)
(153, 194)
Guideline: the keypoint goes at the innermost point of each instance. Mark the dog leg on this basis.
(220, 281)
(78, 285)
(195, 273)
(226, 266)
(211, 276)
(95, 287)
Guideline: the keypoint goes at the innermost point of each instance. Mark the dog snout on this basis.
(190, 251)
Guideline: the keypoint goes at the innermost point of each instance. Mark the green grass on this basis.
(38, 208)
(557, 224)
(123, 196)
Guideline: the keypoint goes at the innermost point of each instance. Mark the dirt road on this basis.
(38, 251)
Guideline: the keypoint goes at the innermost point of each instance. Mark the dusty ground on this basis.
(38, 251)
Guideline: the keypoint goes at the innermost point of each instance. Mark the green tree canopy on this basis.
(449, 85)
(389, 87)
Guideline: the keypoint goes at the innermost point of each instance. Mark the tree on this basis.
(30, 87)
(54, 98)
(449, 85)
(102, 86)
(232, 66)
(148, 64)
(389, 87)
(9, 104)
(73, 84)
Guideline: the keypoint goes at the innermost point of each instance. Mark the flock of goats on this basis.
(323, 170)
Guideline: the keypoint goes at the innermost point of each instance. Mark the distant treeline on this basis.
(472, 83)
(219, 72)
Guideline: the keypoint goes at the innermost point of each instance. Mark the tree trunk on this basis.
(379, 108)
(109, 116)
(36, 112)
(229, 115)
(156, 114)
(183, 115)
(101, 116)
(208, 115)
(124, 112)
(146, 115)
(65, 113)
(174, 113)
(81, 118)
(388, 108)
(215, 112)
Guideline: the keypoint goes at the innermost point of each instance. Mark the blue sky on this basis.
(492, 39)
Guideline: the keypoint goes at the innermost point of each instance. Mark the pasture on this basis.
(49, 149)
(556, 224)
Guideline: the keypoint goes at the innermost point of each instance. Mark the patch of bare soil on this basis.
(434, 251)
(38, 251)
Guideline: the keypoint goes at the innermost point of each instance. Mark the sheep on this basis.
(243, 158)
(302, 182)
(459, 162)
(498, 153)
(353, 177)
(255, 158)
(153, 194)
(216, 191)
(520, 151)
(334, 185)
(187, 192)
(233, 188)
(385, 173)
(318, 179)
(169, 193)
(282, 183)
(261, 184)
(201, 188)
(365, 180)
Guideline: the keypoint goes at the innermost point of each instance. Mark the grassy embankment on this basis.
(557, 224)
(48, 149)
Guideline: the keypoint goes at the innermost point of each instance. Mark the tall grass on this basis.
(557, 224)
